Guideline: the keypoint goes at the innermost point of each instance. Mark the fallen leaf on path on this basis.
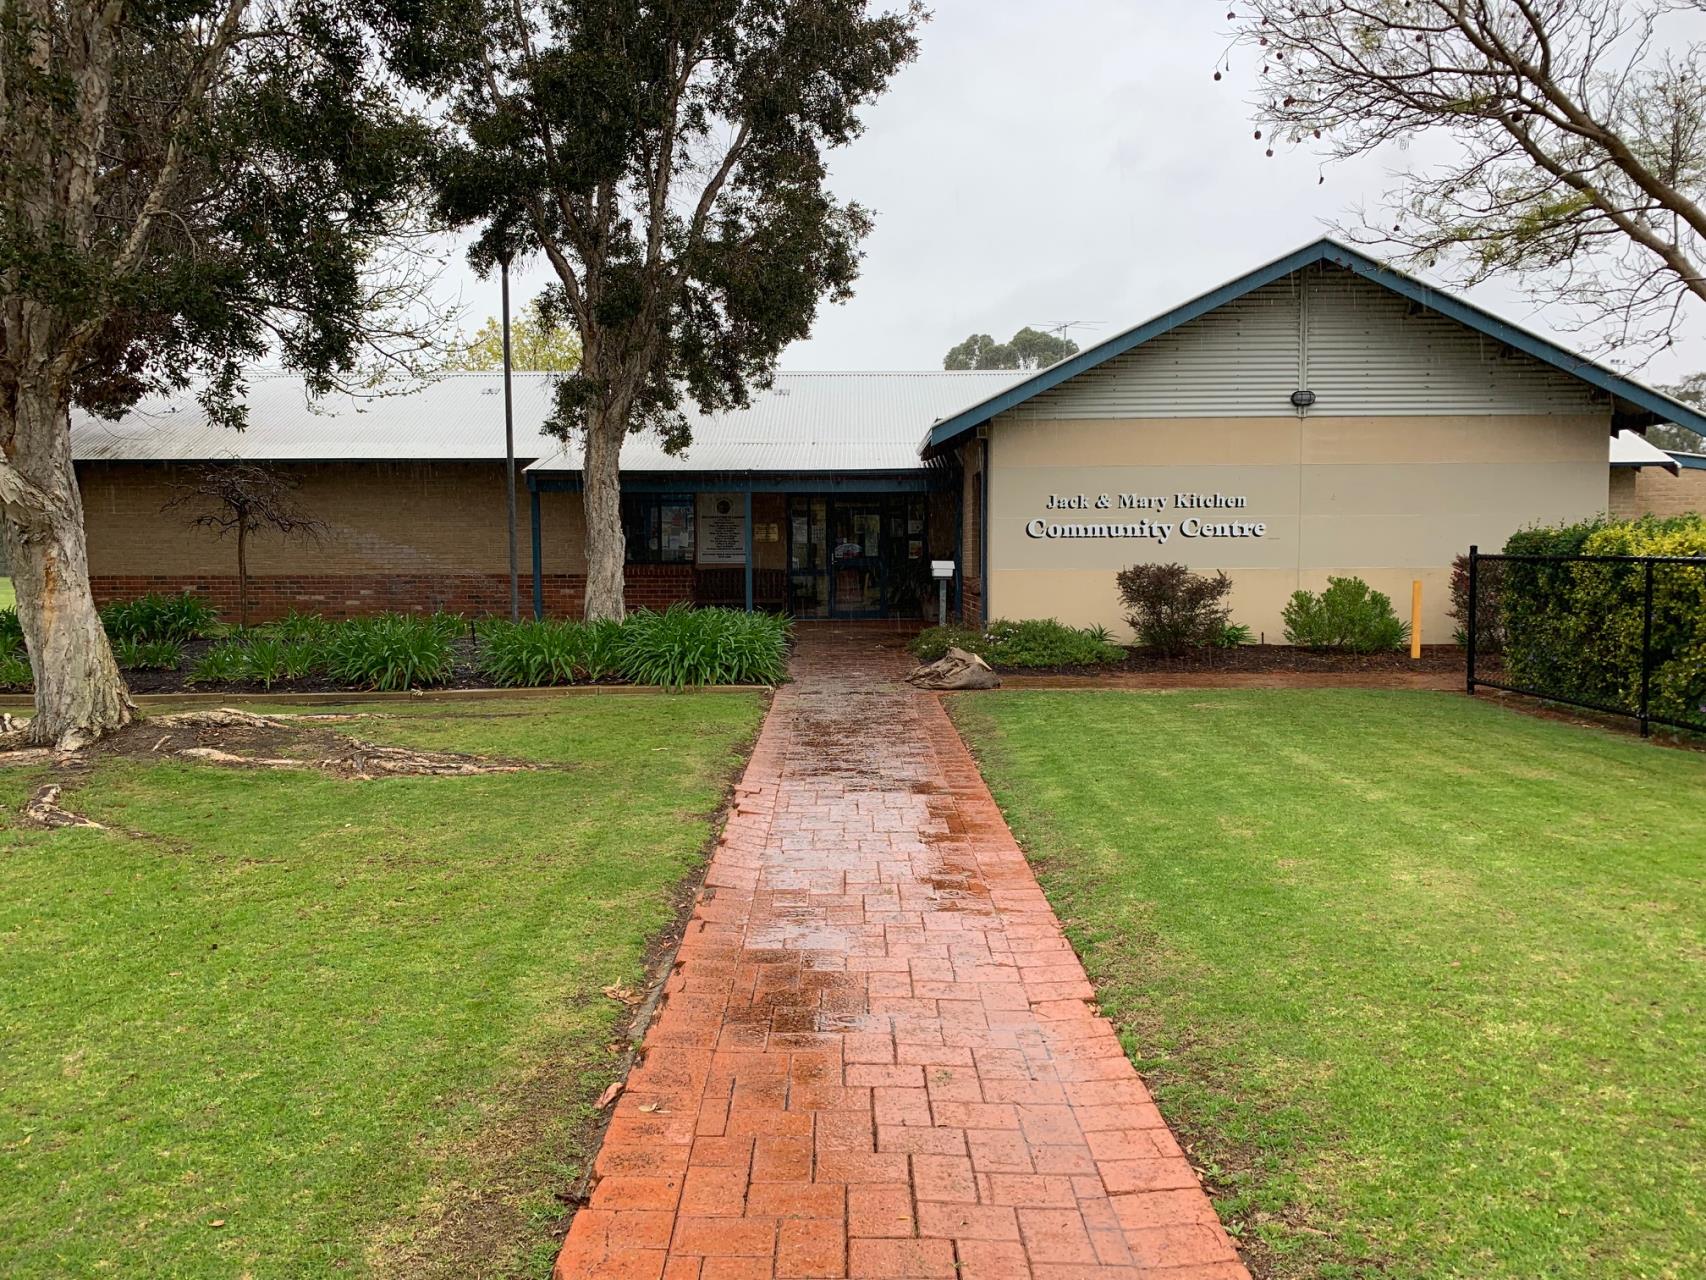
(609, 1095)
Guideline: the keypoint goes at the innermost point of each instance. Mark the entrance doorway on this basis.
(857, 556)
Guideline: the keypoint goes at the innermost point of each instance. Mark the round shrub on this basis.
(15, 673)
(1347, 615)
(11, 632)
(1173, 610)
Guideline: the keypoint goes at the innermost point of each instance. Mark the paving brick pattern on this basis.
(877, 1055)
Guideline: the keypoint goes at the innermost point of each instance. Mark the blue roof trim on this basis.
(1690, 461)
(1329, 251)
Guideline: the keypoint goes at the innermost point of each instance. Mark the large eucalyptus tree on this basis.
(668, 159)
(185, 186)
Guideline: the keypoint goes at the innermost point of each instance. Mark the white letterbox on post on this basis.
(941, 570)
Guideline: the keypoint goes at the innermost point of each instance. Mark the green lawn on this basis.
(299, 1026)
(8, 594)
(1422, 980)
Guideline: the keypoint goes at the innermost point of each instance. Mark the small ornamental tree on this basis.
(1173, 610)
(242, 498)
(667, 158)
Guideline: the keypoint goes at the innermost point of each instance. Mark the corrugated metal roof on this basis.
(456, 416)
(805, 422)
(812, 422)
(1630, 449)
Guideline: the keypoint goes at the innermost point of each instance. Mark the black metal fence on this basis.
(1621, 635)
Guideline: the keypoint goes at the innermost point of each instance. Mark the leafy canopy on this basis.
(1667, 435)
(537, 343)
(229, 204)
(1028, 349)
(667, 157)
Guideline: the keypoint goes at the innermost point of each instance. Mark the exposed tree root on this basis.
(15, 752)
(231, 718)
(244, 740)
(43, 811)
(365, 760)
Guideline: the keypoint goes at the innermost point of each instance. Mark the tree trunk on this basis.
(79, 693)
(601, 499)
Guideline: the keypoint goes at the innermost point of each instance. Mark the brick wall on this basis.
(971, 613)
(1624, 502)
(1658, 493)
(352, 595)
(398, 536)
(418, 519)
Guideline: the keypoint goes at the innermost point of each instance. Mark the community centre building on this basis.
(1322, 415)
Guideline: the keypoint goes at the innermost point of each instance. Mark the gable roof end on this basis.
(1651, 406)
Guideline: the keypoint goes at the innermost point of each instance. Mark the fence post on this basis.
(1646, 645)
(1474, 574)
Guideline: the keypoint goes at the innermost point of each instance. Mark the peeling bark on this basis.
(79, 693)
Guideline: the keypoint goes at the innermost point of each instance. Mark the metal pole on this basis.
(749, 550)
(1646, 646)
(509, 457)
(1474, 637)
(538, 559)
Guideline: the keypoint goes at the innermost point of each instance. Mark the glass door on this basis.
(808, 557)
(856, 559)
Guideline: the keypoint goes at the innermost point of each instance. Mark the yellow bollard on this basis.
(1415, 620)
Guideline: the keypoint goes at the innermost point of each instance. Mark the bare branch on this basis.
(1578, 128)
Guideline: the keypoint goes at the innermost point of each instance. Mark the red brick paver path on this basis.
(877, 1054)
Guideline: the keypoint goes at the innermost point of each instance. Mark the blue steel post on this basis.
(749, 550)
(538, 558)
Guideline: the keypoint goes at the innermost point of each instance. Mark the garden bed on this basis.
(466, 673)
(1436, 659)
(177, 644)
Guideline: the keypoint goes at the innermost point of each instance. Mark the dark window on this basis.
(659, 528)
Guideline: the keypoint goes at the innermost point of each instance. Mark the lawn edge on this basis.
(1210, 1153)
(660, 956)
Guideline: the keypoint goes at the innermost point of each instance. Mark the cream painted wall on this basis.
(1388, 499)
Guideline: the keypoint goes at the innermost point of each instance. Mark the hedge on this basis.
(1575, 628)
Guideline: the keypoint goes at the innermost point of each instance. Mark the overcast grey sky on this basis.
(1069, 160)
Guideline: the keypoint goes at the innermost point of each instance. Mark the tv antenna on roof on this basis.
(1060, 328)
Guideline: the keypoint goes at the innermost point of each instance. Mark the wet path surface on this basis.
(877, 1055)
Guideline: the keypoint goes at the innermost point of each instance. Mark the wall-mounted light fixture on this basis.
(1303, 399)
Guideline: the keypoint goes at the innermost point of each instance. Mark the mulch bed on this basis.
(1263, 659)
